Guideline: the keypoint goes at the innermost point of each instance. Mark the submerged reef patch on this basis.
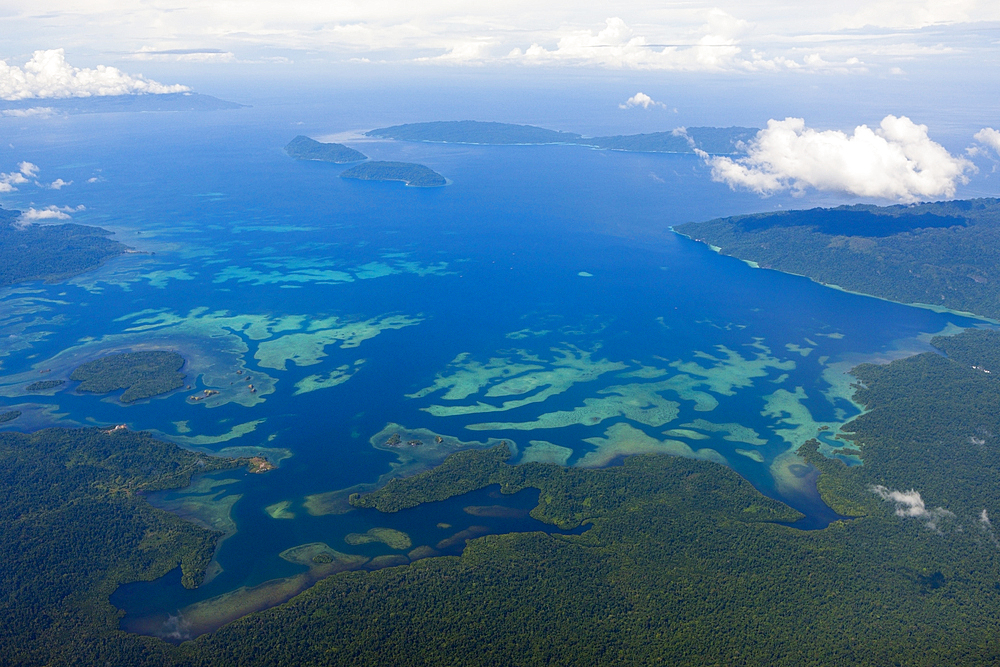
(624, 440)
(532, 377)
(734, 432)
(306, 348)
(280, 510)
(541, 451)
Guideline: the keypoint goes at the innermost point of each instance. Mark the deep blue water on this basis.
(213, 192)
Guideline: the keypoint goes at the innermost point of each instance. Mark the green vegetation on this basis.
(416, 175)
(51, 252)
(42, 385)
(304, 148)
(474, 132)
(943, 254)
(715, 140)
(74, 526)
(140, 374)
(394, 539)
(9, 416)
(682, 564)
(684, 561)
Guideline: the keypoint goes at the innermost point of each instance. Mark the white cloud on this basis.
(713, 46)
(58, 184)
(28, 169)
(183, 55)
(9, 180)
(390, 31)
(26, 113)
(643, 100)
(895, 161)
(48, 213)
(48, 74)
(989, 137)
(909, 504)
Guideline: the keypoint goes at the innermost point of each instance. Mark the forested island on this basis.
(416, 175)
(140, 374)
(164, 102)
(304, 148)
(74, 526)
(51, 252)
(684, 563)
(943, 254)
(714, 140)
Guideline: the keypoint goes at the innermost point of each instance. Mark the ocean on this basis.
(539, 299)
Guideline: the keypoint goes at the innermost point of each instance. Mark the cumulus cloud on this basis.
(641, 99)
(28, 169)
(58, 184)
(897, 160)
(714, 46)
(48, 75)
(909, 504)
(48, 213)
(183, 55)
(25, 170)
(988, 137)
(27, 113)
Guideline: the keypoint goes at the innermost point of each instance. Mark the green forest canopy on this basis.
(416, 175)
(304, 148)
(685, 562)
(942, 254)
(140, 374)
(50, 252)
(74, 526)
(715, 140)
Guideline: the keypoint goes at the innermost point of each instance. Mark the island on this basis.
(163, 102)
(416, 175)
(75, 526)
(51, 252)
(680, 553)
(9, 416)
(713, 140)
(141, 374)
(304, 148)
(942, 254)
(474, 132)
(44, 385)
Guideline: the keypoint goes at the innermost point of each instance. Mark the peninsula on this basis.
(416, 175)
(943, 254)
(51, 252)
(714, 140)
(304, 148)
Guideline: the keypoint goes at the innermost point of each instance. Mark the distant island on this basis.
(943, 254)
(714, 140)
(123, 103)
(304, 148)
(416, 175)
(140, 374)
(51, 252)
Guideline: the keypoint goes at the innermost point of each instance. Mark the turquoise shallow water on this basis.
(342, 300)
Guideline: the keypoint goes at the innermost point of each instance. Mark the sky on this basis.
(877, 87)
(877, 37)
